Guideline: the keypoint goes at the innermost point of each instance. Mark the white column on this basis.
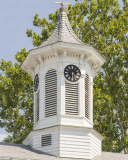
(34, 109)
(81, 94)
(60, 91)
(91, 99)
(81, 88)
(42, 98)
(34, 119)
(42, 88)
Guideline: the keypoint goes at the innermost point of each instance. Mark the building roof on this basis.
(19, 151)
(63, 31)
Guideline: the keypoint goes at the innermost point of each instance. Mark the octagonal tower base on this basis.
(66, 141)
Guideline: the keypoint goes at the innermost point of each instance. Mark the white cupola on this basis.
(63, 68)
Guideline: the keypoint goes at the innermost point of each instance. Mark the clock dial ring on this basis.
(36, 82)
(72, 73)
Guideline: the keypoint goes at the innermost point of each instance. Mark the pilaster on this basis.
(82, 95)
(60, 87)
(91, 99)
(42, 97)
(81, 88)
(34, 109)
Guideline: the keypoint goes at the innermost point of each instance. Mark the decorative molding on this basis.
(87, 58)
(57, 55)
(37, 61)
(95, 65)
(82, 56)
(93, 72)
(90, 62)
(81, 60)
(48, 57)
(73, 55)
(41, 61)
(30, 70)
(65, 53)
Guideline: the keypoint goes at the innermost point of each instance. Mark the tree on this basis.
(103, 24)
(16, 99)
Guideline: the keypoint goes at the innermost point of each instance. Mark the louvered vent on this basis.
(37, 106)
(71, 98)
(46, 140)
(87, 93)
(51, 93)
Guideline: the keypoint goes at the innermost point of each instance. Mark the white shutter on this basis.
(71, 99)
(46, 140)
(37, 106)
(51, 93)
(87, 94)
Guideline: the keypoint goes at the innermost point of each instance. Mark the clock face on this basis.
(72, 73)
(36, 82)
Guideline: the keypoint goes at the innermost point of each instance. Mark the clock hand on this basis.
(72, 76)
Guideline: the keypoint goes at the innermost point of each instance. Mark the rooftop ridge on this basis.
(63, 31)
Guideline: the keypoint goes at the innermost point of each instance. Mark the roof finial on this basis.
(62, 4)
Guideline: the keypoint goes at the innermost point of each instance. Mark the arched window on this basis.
(37, 98)
(51, 93)
(87, 96)
(71, 98)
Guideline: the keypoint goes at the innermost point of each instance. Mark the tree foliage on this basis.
(16, 99)
(103, 24)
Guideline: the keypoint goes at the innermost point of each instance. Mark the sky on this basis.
(16, 17)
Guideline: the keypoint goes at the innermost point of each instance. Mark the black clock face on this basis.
(36, 82)
(72, 73)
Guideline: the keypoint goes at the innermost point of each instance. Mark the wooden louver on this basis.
(87, 94)
(37, 106)
(46, 140)
(51, 93)
(71, 99)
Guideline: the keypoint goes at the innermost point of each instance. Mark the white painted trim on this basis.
(86, 49)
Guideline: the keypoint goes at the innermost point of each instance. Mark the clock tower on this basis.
(62, 69)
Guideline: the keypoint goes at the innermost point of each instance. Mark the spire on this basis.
(63, 31)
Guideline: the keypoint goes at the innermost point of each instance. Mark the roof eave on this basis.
(47, 46)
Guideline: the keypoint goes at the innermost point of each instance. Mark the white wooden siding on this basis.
(51, 149)
(70, 142)
(30, 143)
(74, 143)
(95, 146)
